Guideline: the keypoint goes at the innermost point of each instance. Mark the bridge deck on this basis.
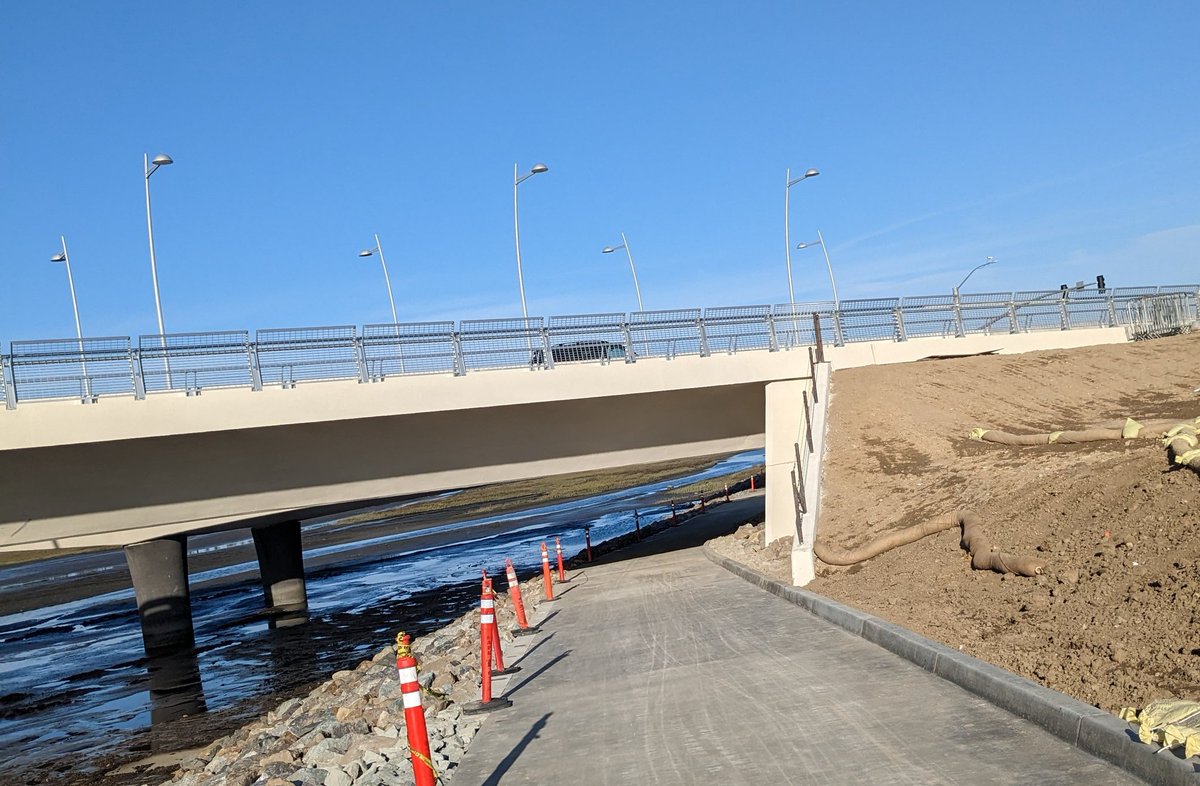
(661, 667)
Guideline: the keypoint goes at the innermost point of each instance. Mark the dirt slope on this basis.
(1115, 621)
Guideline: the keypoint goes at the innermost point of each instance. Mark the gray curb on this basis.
(1098, 732)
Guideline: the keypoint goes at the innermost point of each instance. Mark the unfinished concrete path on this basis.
(657, 666)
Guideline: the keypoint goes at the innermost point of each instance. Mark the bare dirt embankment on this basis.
(1115, 619)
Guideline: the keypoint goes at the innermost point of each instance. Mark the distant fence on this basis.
(191, 362)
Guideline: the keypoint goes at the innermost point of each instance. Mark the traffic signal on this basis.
(1100, 283)
(1063, 288)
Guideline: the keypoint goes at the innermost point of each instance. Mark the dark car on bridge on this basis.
(578, 351)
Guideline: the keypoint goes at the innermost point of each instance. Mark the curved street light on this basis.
(536, 170)
(370, 252)
(66, 258)
(787, 242)
(628, 253)
(820, 241)
(162, 159)
(990, 261)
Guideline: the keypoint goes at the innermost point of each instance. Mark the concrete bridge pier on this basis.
(160, 584)
(281, 565)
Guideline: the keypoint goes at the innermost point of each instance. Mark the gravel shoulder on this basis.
(1115, 619)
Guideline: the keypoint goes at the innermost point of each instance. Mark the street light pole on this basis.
(536, 170)
(833, 283)
(628, 253)
(990, 261)
(161, 159)
(366, 252)
(787, 241)
(66, 258)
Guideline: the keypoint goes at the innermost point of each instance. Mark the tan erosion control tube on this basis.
(984, 556)
(1131, 430)
(1180, 439)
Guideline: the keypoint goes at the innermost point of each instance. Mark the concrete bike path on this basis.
(657, 666)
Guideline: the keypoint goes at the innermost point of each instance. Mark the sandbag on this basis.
(1171, 723)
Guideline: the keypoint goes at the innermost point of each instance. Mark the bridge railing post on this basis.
(703, 336)
(135, 370)
(818, 338)
(547, 351)
(1112, 311)
(959, 330)
(898, 319)
(1064, 314)
(839, 340)
(10, 387)
(255, 369)
(460, 364)
(627, 337)
(360, 359)
(772, 337)
(1014, 323)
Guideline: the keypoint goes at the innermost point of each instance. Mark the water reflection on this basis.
(176, 689)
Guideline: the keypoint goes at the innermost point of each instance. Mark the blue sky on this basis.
(1061, 138)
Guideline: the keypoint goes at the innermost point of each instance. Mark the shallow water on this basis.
(77, 691)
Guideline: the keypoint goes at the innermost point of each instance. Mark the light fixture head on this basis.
(366, 252)
(811, 173)
(162, 159)
(59, 257)
(806, 245)
(607, 250)
(538, 169)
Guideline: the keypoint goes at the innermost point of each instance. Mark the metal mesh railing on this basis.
(665, 334)
(986, 313)
(95, 367)
(929, 315)
(290, 355)
(193, 361)
(794, 324)
(598, 338)
(1041, 310)
(736, 328)
(501, 343)
(869, 320)
(57, 369)
(408, 348)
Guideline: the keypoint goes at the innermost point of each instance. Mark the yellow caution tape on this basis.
(977, 434)
(1131, 429)
(1187, 458)
(1054, 435)
(424, 760)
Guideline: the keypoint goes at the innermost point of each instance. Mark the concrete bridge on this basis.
(145, 473)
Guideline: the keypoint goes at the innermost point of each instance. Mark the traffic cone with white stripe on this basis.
(547, 579)
(514, 593)
(562, 577)
(487, 623)
(488, 602)
(414, 716)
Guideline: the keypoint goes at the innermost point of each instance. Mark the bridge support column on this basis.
(160, 584)
(281, 565)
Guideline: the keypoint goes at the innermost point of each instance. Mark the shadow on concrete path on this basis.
(507, 762)
(718, 520)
